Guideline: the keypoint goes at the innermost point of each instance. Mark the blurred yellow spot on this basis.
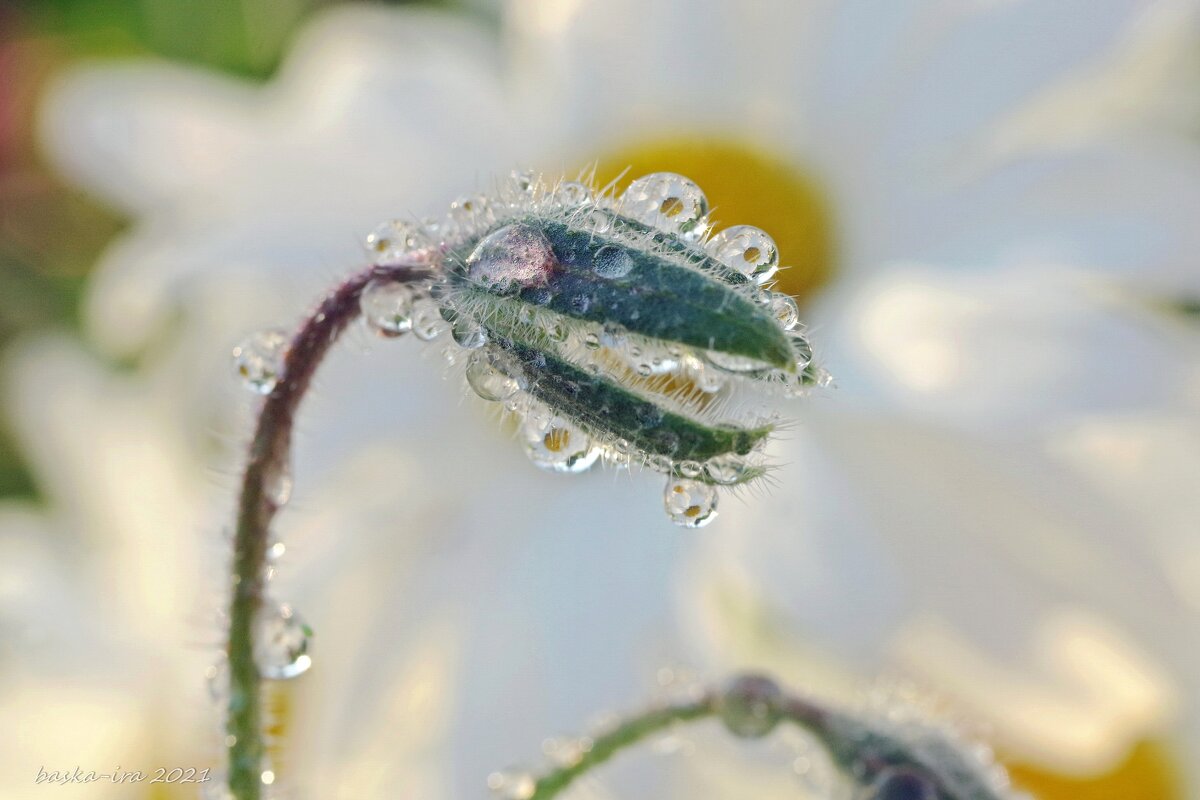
(746, 186)
(1146, 774)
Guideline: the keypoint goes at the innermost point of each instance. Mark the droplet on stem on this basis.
(258, 360)
(750, 706)
(690, 503)
(281, 643)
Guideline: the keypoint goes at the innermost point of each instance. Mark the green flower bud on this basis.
(614, 326)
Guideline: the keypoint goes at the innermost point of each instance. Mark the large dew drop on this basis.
(690, 503)
(669, 202)
(387, 307)
(750, 706)
(281, 643)
(490, 377)
(514, 257)
(258, 360)
(748, 250)
(557, 445)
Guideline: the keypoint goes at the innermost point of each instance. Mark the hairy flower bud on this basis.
(614, 326)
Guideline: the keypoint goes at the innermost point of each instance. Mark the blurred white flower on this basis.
(982, 505)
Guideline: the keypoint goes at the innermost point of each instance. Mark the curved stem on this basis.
(255, 510)
(632, 730)
(627, 733)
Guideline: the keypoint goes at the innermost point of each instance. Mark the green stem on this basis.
(268, 455)
(627, 733)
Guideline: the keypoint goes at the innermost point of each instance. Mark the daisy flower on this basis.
(988, 296)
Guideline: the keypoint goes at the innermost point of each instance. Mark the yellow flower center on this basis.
(1146, 774)
(745, 186)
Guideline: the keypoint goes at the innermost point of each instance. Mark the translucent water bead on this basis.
(690, 503)
(490, 377)
(427, 321)
(514, 257)
(669, 202)
(748, 250)
(802, 349)
(393, 241)
(750, 706)
(785, 311)
(387, 306)
(726, 470)
(556, 445)
(281, 643)
(258, 360)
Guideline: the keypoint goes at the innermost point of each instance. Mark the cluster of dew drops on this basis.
(667, 202)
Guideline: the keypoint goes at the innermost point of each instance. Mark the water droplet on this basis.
(277, 482)
(567, 751)
(513, 257)
(281, 643)
(488, 374)
(690, 469)
(748, 250)
(705, 378)
(750, 706)
(467, 214)
(427, 321)
(802, 349)
(669, 202)
(394, 241)
(740, 365)
(557, 445)
(216, 676)
(275, 551)
(512, 784)
(612, 261)
(592, 341)
(900, 783)
(387, 306)
(468, 334)
(690, 503)
(523, 181)
(785, 311)
(555, 330)
(258, 360)
(726, 470)
(572, 193)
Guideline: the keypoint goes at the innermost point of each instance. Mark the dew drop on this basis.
(258, 360)
(572, 193)
(557, 445)
(216, 676)
(748, 250)
(387, 307)
(427, 321)
(468, 334)
(512, 785)
(488, 376)
(277, 482)
(592, 341)
(394, 241)
(726, 470)
(612, 261)
(740, 365)
(512, 257)
(690, 469)
(750, 706)
(523, 181)
(785, 311)
(669, 202)
(706, 378)
(690, 503)
(281, 643)
(802, 349)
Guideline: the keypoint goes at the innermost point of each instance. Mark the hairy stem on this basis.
(639, 727)
(268, 456)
